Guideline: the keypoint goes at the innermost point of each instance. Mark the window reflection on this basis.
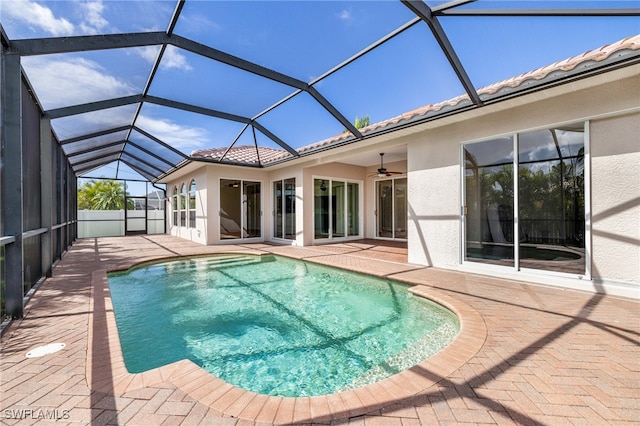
(489, 201)
(551, 201)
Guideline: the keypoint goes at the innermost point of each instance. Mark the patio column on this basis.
(46, 191)
(11, 177)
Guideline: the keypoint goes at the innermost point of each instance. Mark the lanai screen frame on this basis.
(152, 165)
(80, 155)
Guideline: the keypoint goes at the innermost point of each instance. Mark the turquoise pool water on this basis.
(274, 325)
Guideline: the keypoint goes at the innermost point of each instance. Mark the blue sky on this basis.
(303, 39)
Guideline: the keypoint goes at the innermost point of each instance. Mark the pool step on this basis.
(227, 261)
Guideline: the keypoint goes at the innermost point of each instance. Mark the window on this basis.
(192, 204)
(336, 209)
(183, 205)
(527, 210)
(174, 205)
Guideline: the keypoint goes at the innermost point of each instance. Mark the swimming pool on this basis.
(274, 325)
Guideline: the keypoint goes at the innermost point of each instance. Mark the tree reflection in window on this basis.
(551, 200)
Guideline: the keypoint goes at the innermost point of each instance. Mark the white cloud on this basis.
(345, 16)
(72, 81)
(93, 21)
(172, 58)
(174, 134)
(37, 17)
(148, 53)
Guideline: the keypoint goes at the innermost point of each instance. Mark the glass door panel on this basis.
(240, 209)
(391, 195)
(321, 208)
(290, 209)
(252, 214)
(338, 211)
(489, 202)
(353, 209)
(400, 208)
(230, 209)
(284, 210)
(551, 200)
(277, 209)
(385, 209)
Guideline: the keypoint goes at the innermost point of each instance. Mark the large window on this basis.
(284, 209)
(192, 204)
(391, 208)
(183, 205)
(336, 209)
(240, 209)
(527, 210)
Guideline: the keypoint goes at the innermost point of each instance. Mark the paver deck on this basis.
(526, 354)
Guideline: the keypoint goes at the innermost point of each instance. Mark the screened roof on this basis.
(144, 87)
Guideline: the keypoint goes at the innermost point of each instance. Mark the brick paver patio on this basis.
(526, 354)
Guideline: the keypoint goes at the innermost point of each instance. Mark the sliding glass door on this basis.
(391, 208)
(240, 209)
(284, 209)
(336, 209)
(488, 168)
(527, 210)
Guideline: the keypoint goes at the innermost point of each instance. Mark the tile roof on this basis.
(531, 79)
(243, 154)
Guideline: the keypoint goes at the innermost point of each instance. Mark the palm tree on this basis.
(101, 195)
(362, 122)
(359, 123)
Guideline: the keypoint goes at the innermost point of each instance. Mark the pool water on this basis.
(274, 325)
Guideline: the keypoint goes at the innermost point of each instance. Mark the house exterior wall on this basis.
(615, 195)
(197, 234)
(614, 125)
(611, 110)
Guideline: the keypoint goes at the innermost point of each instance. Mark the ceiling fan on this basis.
(382, 171)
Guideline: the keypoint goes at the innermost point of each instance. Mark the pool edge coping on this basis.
(106, 371)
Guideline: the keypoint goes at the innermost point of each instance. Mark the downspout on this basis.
(164, 198)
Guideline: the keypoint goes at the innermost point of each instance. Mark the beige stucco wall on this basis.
(434, 174)
(615, 195)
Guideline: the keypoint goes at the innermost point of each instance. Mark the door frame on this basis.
(393, 210)
(126, 215)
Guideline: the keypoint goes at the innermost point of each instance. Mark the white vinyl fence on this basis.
(110, 223)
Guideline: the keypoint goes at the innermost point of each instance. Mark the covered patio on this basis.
(527, 354)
